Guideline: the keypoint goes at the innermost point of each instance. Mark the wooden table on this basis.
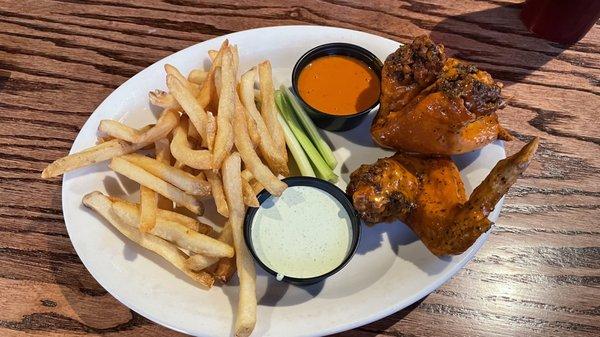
(539, 273)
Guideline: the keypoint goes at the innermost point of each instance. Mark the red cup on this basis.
(562, 21)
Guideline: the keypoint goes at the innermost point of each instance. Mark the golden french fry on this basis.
(163, 99)
(118, 130)
(127, 132)
(179, 165)
(252, 129)
(216, 188)
(269, 110)
(257, 186)
(183, 152)
(197, 76)
(198, 262)
(208, 96)
(225, 269)
(158, 185)
(163, 154)
(103, 139)
(162, 150)
(249, 196)
(246, 174)
(95, 154)
(92, 155)
(213, 54)
(186, 221)
(176, 233)
(267, 146)
(201, 262)
(192, 87)
(103, 206)
(217, 76)
(232, 182)
(178, 178)
(189, 104)
(251, 159)
(224, 137)
(192, 133)
(167, 121)
(211, 130)
(235, 57)
(148, 208)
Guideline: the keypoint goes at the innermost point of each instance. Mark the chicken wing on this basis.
(427, 194)
(433, 105)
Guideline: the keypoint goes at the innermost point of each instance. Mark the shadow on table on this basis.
(498, 40)
(380, 327)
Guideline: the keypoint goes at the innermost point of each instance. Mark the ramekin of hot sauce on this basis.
(338, 84)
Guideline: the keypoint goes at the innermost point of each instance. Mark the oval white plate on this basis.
(391, 269)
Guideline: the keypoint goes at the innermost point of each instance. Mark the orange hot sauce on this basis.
(338, 85)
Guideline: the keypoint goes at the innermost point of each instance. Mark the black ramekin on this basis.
(327, 187)
(322, 119)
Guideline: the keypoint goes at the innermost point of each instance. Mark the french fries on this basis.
(224, 137)
(197, 76)
(269, 111)
(216, 188)
(192, 87)
(212, 54)
(232, 182)
(92, 155)
(248, 194)
(226, 266)
(257, 187)
(177, 233)
(163, 154)
(225, 269)
(193, 134)
(186, 221)
(167, 121)
(247, 175)
(209, 126)
(183, 152)
(200, 262)
(158, 185)
(251, 159)
(103, 206)
(211, 130)
(112, 148)
(189, 104)
(178, 178)
(163, 99)
(208, 97)
(148, 206)
(266, 144)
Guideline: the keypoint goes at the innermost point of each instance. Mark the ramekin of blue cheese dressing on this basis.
(304, 233)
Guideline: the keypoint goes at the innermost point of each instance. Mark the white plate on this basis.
(391, 269)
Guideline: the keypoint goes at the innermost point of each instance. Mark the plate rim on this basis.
(444, 277)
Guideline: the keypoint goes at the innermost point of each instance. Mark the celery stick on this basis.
(310, 128)
(296, 149)
(318, 162)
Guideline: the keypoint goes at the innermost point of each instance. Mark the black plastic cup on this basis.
(322, 119)
(327, 187)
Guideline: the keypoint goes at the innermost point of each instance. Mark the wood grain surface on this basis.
(539, 273)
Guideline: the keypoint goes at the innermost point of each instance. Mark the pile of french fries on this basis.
(211, 141)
